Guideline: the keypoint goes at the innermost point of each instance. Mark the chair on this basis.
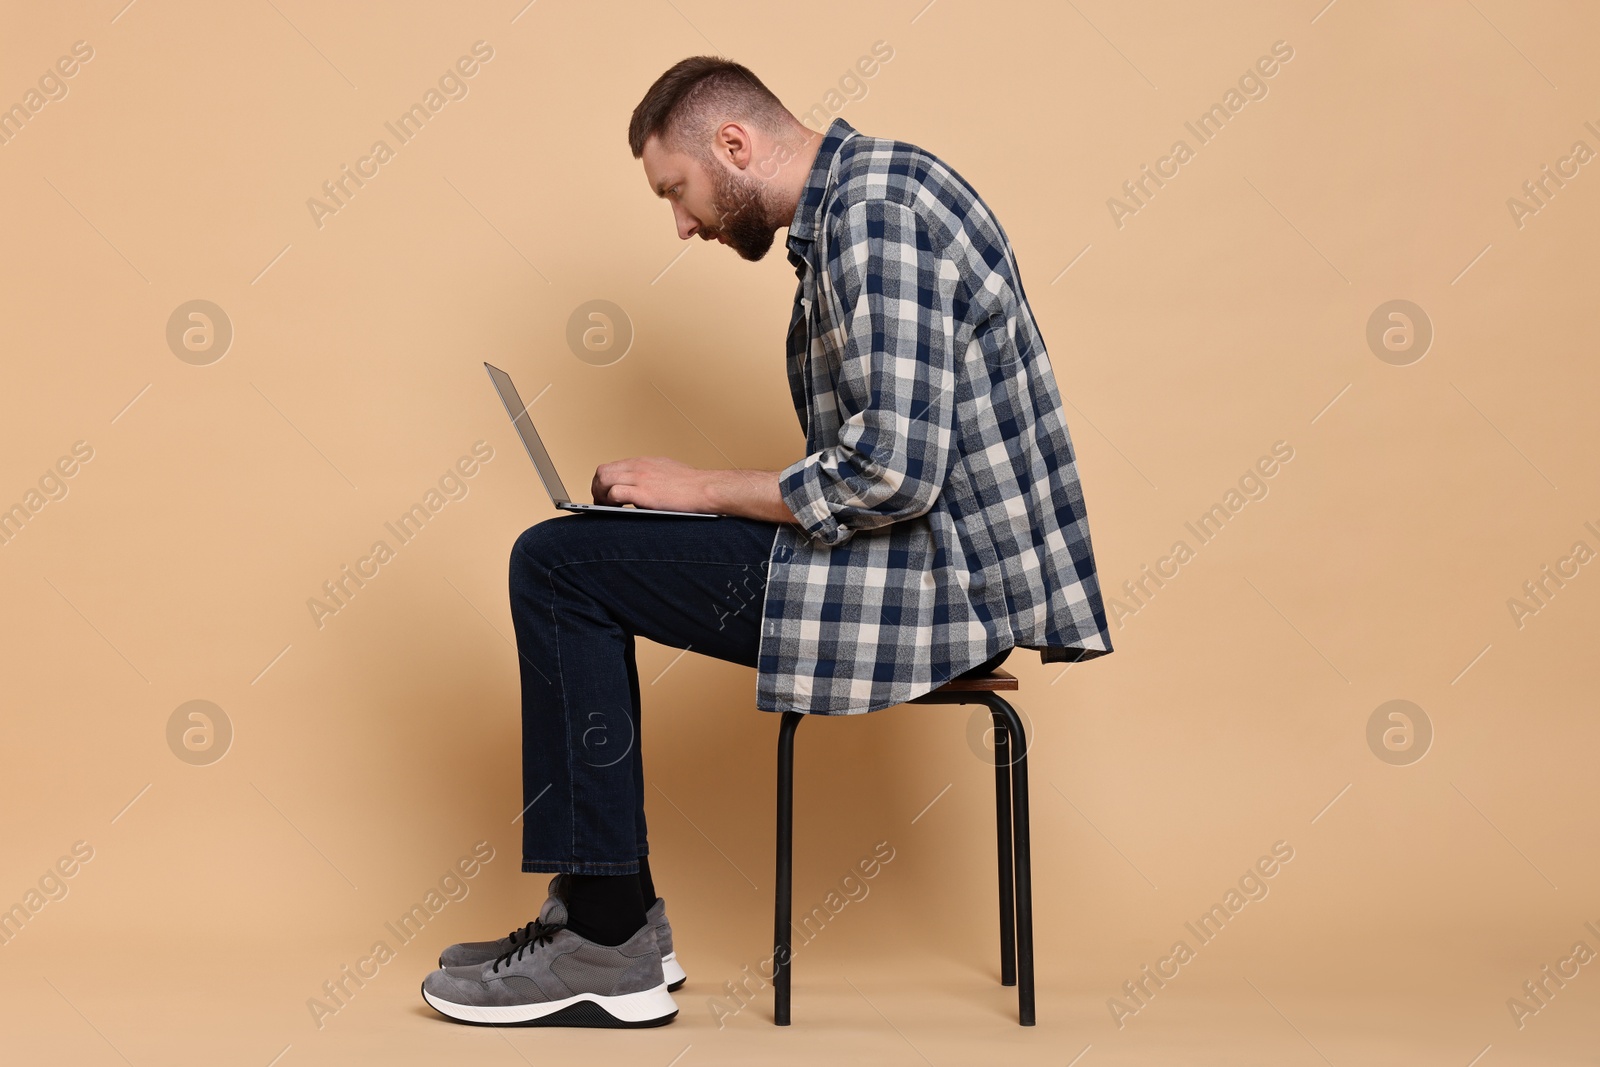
(1011, 813)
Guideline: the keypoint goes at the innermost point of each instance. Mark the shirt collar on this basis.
(803, 227)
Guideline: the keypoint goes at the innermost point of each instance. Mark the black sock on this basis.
(604, 908)
(647, 888)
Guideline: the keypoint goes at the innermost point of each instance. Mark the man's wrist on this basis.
(714, 489)
(729, 492)
(747, 493)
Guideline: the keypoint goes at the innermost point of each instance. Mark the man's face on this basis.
(713, 199)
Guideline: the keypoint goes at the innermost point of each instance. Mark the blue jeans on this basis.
(583, 586)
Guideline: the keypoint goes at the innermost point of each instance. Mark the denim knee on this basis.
(542, 545)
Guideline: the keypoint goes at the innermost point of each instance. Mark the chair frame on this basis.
(1013, 845)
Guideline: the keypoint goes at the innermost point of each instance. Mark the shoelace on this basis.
(516, 937)
(535, 933)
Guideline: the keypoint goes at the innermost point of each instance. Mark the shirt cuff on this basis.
(800, 486)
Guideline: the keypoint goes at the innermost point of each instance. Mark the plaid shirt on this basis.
(940, 516)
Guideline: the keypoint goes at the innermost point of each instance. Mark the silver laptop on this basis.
(541, 459)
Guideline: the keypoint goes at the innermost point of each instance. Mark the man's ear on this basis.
(733, 144)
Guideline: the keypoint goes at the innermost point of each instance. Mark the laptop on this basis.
(543, 464)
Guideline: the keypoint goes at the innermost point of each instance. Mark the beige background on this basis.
(1230, 312)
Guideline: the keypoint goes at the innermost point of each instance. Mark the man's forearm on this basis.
(750, 494)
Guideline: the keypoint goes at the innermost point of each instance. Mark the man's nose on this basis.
(687, 224)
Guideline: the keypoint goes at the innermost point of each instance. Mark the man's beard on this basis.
(740, 203)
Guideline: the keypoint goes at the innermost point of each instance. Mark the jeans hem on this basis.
(578, 867)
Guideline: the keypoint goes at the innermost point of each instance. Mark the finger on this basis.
(609, 474)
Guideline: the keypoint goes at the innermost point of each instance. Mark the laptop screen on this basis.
(530, 437)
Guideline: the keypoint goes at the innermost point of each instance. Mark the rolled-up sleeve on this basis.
(895, 385)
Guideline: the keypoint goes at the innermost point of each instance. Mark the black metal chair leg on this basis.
(784, 893)
(1007, 857)
(1024, 861)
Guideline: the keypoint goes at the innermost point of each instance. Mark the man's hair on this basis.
(694, 97)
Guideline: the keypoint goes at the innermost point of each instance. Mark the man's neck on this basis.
(792, 176)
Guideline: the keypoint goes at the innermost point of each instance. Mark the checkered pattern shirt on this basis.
(940, 516)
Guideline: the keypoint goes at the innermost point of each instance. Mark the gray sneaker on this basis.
(656, 919)
(472, 953)
(557, 978)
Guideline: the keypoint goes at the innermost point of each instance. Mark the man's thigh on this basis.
(696, 584)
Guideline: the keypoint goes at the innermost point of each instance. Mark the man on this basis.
(936, 523)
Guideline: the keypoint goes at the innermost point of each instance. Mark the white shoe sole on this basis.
(675, 973)
(652, 1007)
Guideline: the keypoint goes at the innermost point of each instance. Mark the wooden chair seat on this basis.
(996, 681)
